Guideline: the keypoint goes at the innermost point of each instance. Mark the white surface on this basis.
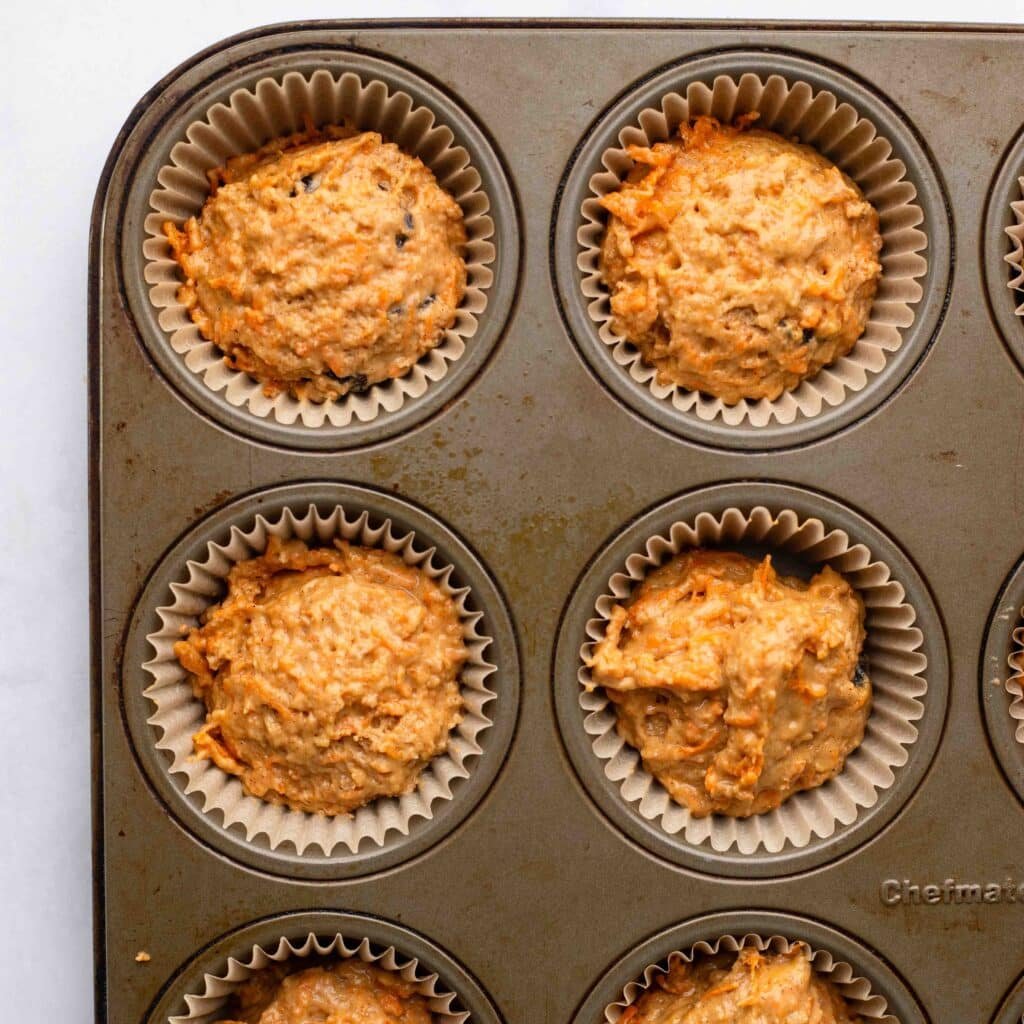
(74, 71)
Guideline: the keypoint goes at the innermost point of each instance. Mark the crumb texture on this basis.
(345, 992)
(330, 675)
(323, 263)
(744, 988)
(739, 263)
(738, 687)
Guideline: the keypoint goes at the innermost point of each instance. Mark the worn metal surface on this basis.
(536, 466)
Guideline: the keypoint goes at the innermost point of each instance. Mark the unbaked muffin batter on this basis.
(345, 992)
(739, 263)
(330, 675)
(744, 988)
(737, 686)
(321, 264)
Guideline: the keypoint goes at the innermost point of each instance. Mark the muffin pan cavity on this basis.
(1012, 1010)
(163, 714)
(1003, 248)
(1002, 679)
(904, 651)
(870, 986)
(239, 112)
(866, 138)
(199, 991)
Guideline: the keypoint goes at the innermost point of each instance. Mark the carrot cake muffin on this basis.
(737, 686)
(330, 675)
(739, 263)
(744, 988)
(344, 992)
(323, 263)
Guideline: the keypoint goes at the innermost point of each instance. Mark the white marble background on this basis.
(73, 72)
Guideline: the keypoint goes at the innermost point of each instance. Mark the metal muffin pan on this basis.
(1003, 300)
(906, 147)
(1012, 1010)
(529, 467)
(1006, 617)
(885, 982)
(382, 935)
(592, 770)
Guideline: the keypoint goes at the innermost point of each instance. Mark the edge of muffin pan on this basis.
(389, 845)
(885, 995)
(395, 413)
(1001, 672)
(1005, 302)
(212, 963)
(626, 114)
(1011, 1011)
(906, 605)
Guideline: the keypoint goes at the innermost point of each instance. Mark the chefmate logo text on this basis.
(903, 892)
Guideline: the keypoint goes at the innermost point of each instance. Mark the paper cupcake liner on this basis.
(1016, 257)
(1015, 681)
(204, 1007)
(850, 141)
(272, 109)
(178, 714)
(856, 990)
(895, 663)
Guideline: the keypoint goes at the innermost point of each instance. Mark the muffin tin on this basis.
(857, 129)
(208, 802)
(905, 647)
(537, 892)
(240, 109)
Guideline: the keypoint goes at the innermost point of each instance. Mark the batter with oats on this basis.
(323, 263)
(738, 687)
(343, 992)
(739, 263)
(744, 988)
(330, 675)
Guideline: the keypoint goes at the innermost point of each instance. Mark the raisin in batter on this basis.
(321, 264)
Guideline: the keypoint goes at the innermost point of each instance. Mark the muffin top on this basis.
(323, 263)
(343, 992)
(738, 686)
(744, 988)
(739, 263)
(330, 675)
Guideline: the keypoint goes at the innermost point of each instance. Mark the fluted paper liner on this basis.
(272, 109)
(895, 665)
(851, 142)
(857, 991)
(1016, 256)
(206, 1006)
(1015, 681)
(178, 714)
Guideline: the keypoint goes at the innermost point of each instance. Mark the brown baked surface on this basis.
(739, 263)
(744, 988)
(343, 992)
(330, 675)
(737, 686)
(323, 263)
